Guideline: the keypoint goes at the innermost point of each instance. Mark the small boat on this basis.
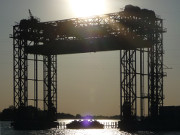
(84, 124)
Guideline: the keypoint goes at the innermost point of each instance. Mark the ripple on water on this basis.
(6, 129)
(88, 132)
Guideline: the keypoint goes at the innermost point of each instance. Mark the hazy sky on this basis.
(88, 83)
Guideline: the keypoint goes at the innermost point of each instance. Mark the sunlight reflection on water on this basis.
(6, 129)
(88, 132)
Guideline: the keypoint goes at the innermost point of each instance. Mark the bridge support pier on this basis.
(50, 85)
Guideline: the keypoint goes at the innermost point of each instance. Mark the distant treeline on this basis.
(8, 115)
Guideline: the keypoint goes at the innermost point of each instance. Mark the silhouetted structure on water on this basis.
(136, 32)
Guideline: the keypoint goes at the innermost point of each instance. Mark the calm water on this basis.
(5, 129)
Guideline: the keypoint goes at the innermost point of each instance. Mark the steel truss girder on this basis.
(117, 30)
(113, 24)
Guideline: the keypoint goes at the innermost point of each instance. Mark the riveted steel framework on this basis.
(154, 74)
(50, 84)
(20, 69)
(128, 84)
(155, 69)
(127, 31)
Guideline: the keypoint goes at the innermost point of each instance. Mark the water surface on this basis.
(6, 129)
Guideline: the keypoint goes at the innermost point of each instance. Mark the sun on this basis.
(84, 8)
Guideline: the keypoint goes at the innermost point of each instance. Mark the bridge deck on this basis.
(88, 45)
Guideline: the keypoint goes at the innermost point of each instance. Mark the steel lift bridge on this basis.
(137, 33)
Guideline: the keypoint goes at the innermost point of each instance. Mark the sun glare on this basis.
(83, 8)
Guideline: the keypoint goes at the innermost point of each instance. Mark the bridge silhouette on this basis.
(136, 33)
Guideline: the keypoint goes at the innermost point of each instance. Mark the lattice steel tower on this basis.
(25, 34)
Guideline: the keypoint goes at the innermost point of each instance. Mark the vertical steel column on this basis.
(50, 85)
(142, 94)
(156, 73)
(19, 69)
(152, 102)
(35, 80)
(128, 84)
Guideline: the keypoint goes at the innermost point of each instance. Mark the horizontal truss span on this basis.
(87, 45)
(115, 31)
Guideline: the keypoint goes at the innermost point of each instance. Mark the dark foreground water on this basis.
(6, 129)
